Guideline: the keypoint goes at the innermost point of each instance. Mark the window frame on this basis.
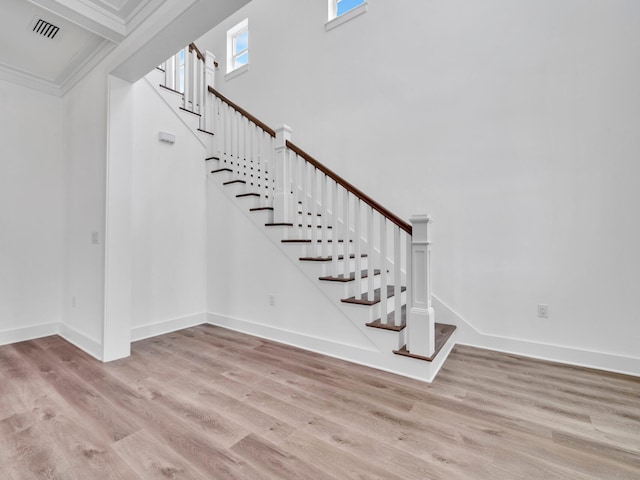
(233, 55)
(336, 20)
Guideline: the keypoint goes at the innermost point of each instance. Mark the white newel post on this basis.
(282, 197)
(421, 324)
(207, 100)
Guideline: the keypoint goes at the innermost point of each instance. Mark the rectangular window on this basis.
(343, 6)
(341, 11)
(238, 46)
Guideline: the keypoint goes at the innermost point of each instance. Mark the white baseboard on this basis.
(373, 358)
(167, 326)
(80, 340)
(469, 335)
(28, 333)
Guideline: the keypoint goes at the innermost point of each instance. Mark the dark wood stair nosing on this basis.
(308, 240)
(211, 158)
(443, 333)
(243, 195)
(172, 90)
(190, 111)
(328, 259)
(386, 326)
(342, 279)
(230, 182)
(390, 324)
(206, 131)
(221, 170)
(278, 224)
(376, 298)
(259, 209)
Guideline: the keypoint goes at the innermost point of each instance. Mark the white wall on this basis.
(31, 213)
(512, 122)
(85, 126)
(168, 217)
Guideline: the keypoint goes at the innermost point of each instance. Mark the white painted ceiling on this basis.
(89, 30)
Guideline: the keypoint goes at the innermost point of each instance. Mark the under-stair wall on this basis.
(168, 238)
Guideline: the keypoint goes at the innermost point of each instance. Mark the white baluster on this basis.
(346, 225)
(397, 276)
(421, 321)
(209, 79)
(383, 269)
(295, 196)
(282, 208)
(313, 220)
(334, 224)
(185, 77)
(325, 216)
(169, 72)
(357, 234)
(369, 252)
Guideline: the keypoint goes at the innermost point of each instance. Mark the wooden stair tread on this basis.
(211, 158)
(327, 259)
(376, 296)
(307, 240)
(190, 111)
(234, 181)
(278, 224)
(259, 209)
(241, 195)
(443, 333)
(350, 278)
(221, 170)
(206, 131)
(389, 325)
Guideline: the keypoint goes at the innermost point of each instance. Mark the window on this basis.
(181, 71)
(238, 47)
(341, 11)
(343, 6)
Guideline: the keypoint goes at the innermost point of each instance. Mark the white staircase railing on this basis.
(388, 258)
(190, 72)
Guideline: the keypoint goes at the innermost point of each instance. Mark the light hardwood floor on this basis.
(208, 403)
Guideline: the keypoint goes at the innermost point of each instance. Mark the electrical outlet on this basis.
(272, 299)
(543, 311)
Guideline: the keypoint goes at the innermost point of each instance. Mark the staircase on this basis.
(371, 263)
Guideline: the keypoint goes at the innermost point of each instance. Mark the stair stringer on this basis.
(173, 100)
(383, 341)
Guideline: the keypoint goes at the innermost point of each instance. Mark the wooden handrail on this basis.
(243, 112)
(192, 47)
(349, 187)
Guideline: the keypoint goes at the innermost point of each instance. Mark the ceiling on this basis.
(88, 31)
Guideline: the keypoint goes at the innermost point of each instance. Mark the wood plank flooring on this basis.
(209, 403)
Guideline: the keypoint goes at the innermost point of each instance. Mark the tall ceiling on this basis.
(30, 53)
(141, 34)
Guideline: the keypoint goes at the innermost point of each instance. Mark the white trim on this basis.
(471, 336)
(236, 72)
(231, 35)
(345, 17)
(385, 361)
(28, 333)
(159, 91)
(167, 326)
(80, 340)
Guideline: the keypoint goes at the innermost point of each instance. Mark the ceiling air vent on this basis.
(46, 29)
